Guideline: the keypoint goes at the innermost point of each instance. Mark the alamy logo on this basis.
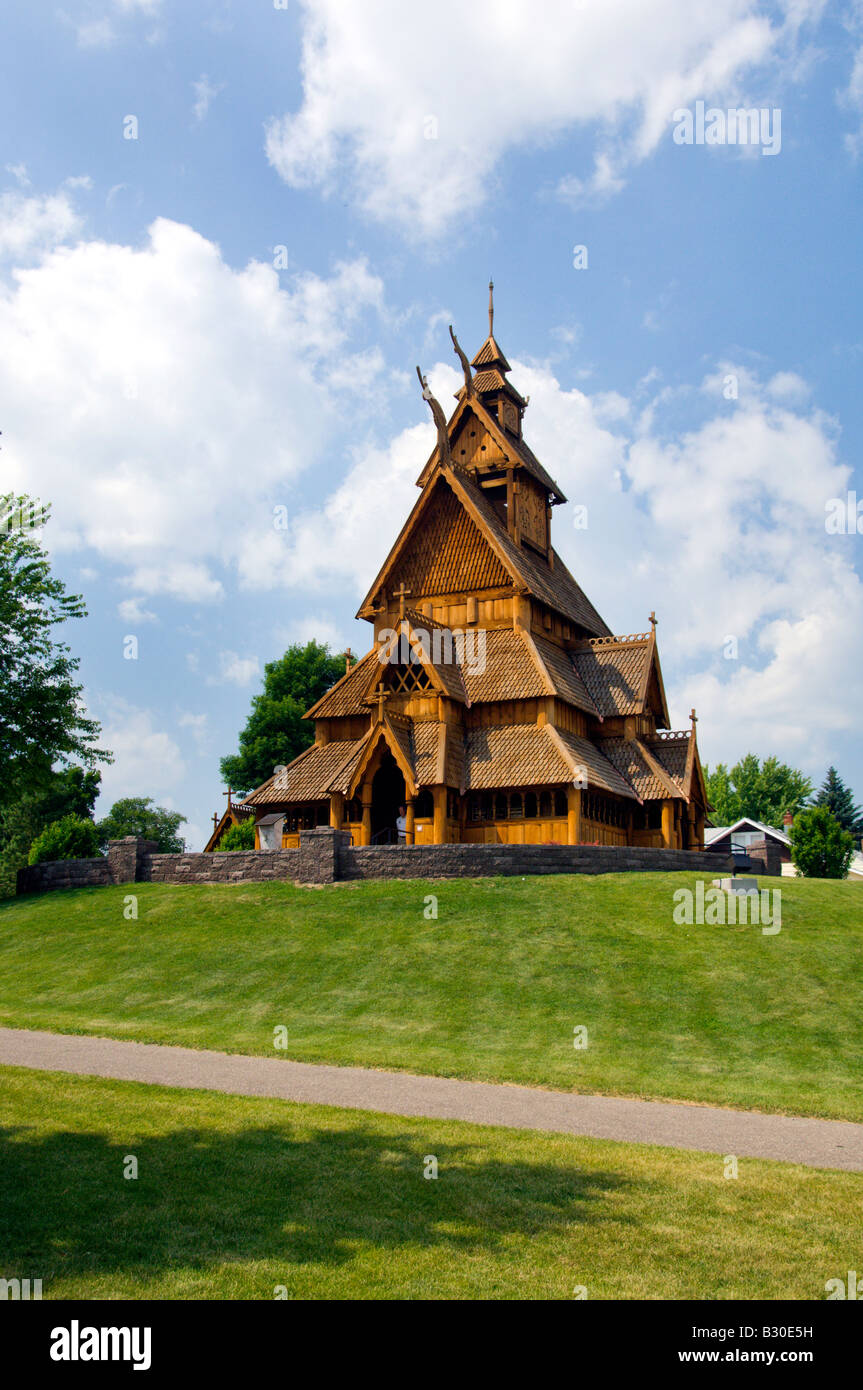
(837, 1288)
(738, 125)
(22, 1289)
(77, 1343)
(714, 907)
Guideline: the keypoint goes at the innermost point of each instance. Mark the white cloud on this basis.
(205, 92)
(409, 111)
(147, 761)
(199, 726)
(131, 611)
(235, 669)
(29, 225)
(97, 28)
(186, 397)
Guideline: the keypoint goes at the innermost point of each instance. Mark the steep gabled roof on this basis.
(528, 573)
(619, 671)
(514, 449)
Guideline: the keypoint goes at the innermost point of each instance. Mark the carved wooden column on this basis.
(409, 821)
(573, 815)
(366, 833)
(668, 824)
(440, 815)
(337, 810)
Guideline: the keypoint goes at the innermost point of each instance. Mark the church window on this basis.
(530, 805)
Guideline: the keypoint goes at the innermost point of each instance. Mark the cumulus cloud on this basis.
(184, 396)
(32, 224)
(236, 670)
(410, 111)
(147, 760)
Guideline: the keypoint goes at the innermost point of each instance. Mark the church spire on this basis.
(490, 382)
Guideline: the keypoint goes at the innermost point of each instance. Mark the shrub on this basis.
(71, 837)
(820, 848)
(239, 836)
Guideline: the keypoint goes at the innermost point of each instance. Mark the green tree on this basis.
(57, 793)
(839, 801)
(275, 731)
(136, 815)
(820, 848)
(42, 717)
(71, 837)
(239, 836)
(762, 791)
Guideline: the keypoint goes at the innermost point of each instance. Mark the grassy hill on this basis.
(235, 1198)
(492, 988)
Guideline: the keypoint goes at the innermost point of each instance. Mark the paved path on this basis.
(748, 1134)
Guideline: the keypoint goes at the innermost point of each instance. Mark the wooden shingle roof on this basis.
(309, 777)
(535, 754)
(346, 696)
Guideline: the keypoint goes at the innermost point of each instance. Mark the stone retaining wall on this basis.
(64, 873)
(487, 861)
(230, 866)
(326, 855)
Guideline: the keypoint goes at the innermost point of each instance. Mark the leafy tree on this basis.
(820, 848)
(57, 793)
(42, 717)
(239, 836)
(71, 837)
(136, 815)
(839, 801)
(762, 791)
(275, 731)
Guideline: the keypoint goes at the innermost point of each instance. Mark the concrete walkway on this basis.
(747, 1134)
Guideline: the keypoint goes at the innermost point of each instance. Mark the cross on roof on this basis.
(693, 717)
(228, 795)
(653, 621)
(400, 593)
(382, 693)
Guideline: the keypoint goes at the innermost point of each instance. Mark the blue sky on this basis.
(166, 387)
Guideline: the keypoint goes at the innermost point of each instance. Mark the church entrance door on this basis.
(388, 793)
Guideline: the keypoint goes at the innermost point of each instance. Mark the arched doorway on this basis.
(388, 793)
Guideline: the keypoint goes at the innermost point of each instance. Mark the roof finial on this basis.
(653, 623)
(439, 419)
(694, 719)
(491, 308)
(465, 365)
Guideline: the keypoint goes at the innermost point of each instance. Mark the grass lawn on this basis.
(491, 989)
(235, 1197)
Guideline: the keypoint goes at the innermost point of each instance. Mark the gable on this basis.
(447, 554)
(474, 444)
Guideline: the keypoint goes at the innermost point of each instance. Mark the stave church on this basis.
(495, 703)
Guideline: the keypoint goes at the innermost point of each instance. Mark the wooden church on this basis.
(495, 704)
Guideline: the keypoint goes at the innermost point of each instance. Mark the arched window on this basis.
(530, 805)
(515, 806)
(500, 806)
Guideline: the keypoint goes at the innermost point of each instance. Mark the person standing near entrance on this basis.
(402, 825)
